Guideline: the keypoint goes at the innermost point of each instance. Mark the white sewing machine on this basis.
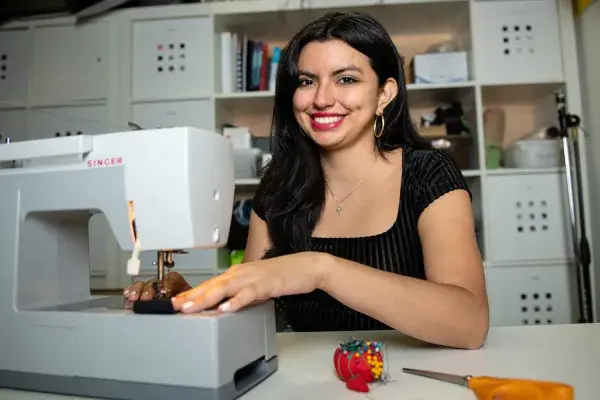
(177, 186)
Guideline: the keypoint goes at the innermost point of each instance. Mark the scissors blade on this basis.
(456, 379)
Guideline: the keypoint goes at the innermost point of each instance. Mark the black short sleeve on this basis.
(437, 174)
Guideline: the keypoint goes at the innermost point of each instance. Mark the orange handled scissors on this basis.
(488, 388)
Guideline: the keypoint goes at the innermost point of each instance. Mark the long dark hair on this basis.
(292, 188)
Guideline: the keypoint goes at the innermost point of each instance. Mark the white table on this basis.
(566, 353)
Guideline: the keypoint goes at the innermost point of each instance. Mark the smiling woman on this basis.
(357, 223)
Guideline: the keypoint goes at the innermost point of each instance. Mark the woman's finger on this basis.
(194, 293)
(148, 290)
(243, 298)
(133, 292)
(209, 298)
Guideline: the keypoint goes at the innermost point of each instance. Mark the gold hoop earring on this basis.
(375, 132)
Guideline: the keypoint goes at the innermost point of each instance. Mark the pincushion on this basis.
(358, 363)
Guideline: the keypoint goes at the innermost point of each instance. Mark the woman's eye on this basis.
(304, 82)
(347, 80)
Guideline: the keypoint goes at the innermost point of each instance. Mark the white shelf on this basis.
(244, 95)
(525, 171)
(247, 182)
(471, 173)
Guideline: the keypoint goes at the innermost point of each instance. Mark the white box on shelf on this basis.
(440, 68)
(173, 58)
(246, 163)
(531, 295)
(196, 113)
(527, 218)
(517, 42)
(15, 62)
(240, 137)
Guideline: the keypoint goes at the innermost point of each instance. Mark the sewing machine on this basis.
(161, 190)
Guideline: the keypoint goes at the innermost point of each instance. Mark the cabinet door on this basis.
(527, 219)
(70, 63)
(516, 41)
(198, 114)
(67, 121)
(13, 125)
(15, 50)
(173, 58)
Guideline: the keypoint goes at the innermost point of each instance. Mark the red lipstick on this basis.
(325, 121)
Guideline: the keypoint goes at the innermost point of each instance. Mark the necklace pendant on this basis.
(338, 209)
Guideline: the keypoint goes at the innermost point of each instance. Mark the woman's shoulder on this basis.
(431, 165)
(431, 173)
(426, 161)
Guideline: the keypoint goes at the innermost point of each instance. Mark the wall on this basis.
(587, 26)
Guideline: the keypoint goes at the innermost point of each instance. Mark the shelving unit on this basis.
(95, 76)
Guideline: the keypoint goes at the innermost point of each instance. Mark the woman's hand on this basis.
(254, 282)
(172, 285)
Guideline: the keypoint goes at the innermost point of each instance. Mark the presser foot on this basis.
(164, 262)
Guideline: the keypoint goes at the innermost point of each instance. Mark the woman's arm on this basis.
(450, 308)
(257, 242)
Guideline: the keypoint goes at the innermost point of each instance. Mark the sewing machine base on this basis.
(121, 390)
(98, 349)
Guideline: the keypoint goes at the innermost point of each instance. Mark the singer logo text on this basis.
(105, 162)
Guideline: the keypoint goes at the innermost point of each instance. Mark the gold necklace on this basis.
(339, 207)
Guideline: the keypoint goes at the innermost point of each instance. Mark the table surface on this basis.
(564, 353)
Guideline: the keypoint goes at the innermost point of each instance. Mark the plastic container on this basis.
(247, 162)
(534, 153)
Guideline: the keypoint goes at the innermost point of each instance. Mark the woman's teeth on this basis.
(327, 120)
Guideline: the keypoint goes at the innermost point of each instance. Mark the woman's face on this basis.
(338, 94)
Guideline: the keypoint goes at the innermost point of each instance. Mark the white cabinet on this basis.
(13, 124)
(70, 63)
(531, 295)
(15, 62)
(173, 58)
(516, 41)
(527, 218)
(68, 121)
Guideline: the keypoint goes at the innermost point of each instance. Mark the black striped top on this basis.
(426, 175)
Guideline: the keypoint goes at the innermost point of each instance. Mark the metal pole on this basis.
(574, 192)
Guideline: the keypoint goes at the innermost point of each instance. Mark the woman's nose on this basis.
(323, 97)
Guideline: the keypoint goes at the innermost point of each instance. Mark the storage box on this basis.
(240, 137)
(247, 162)
(441, 67)
(534, 153)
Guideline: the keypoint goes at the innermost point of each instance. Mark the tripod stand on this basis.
(569, 131)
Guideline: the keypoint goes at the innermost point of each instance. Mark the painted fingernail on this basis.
(225, 306)
(187, 305)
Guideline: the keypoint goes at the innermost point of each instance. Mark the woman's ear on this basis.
(386, 94)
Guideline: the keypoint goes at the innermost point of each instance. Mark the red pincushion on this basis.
(358, 363)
